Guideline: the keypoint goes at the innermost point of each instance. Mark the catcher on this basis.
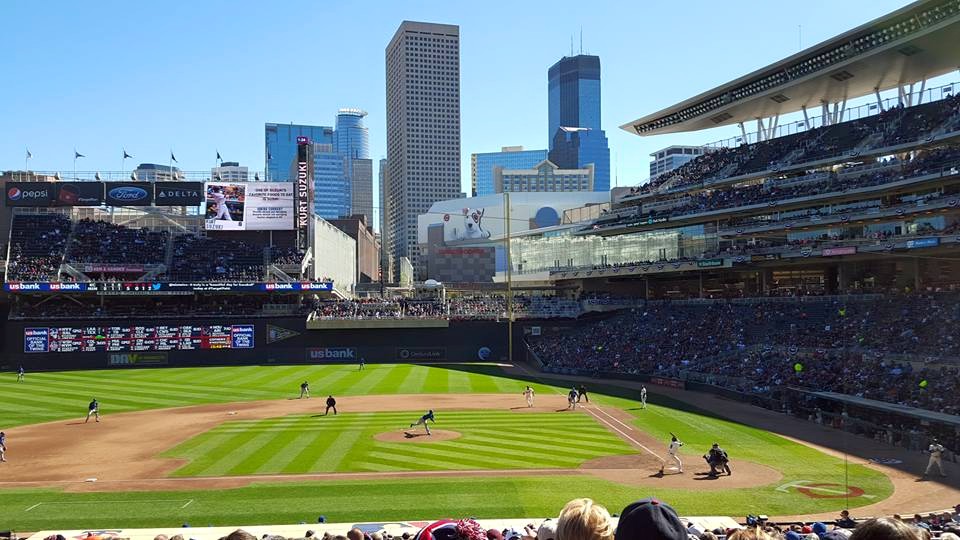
(718, 460)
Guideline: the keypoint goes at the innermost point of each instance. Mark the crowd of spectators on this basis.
(103, 242)
(238, 305)
(857, 345)
(200, 258)
(37, 244)
(645, 519)
(466, 307)
(894, 126)
(764, 193)
(286, 255)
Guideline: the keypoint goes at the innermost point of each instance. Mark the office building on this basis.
(153, 172)
(368, 248)
(423, 129)
(331, 193)
(509, 157)
(352, 141)
(229, 171)
(545, 177)
(673, 157)
(576, 137)
(280, 144)
(360, 172)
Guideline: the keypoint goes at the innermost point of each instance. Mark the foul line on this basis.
(618, 430)
(188, 504)
(32, 507)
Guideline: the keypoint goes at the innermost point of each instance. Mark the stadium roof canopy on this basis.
(915, 43)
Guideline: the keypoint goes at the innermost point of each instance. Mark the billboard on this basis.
(833, 252)
(304, 192)
(30, 193)
(249, 206)
(128, 193)
(78, 194)
(923, 243)
(178, 193)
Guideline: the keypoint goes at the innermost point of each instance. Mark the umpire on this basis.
(331, 404)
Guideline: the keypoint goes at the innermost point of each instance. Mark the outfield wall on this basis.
(281, 340)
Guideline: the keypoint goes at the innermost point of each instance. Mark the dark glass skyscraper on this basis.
(575, 135)
(281, 146)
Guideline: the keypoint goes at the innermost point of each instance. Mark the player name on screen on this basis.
(68, 339)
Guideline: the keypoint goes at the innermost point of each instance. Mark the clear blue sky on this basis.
(201, 76)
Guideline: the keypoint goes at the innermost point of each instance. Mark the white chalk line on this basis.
(128, 501)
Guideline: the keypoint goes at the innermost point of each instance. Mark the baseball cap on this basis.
(547, 530)
(806, 529)
(819, 528)
(493, 534)
(650, 519)
(792, 535)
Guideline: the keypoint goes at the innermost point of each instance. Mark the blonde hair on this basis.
(751, 533)
(582, 519)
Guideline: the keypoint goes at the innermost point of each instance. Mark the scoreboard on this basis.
(69, 339)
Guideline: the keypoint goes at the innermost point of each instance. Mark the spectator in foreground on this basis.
(583, 519)
(885, 529)
(648, 519)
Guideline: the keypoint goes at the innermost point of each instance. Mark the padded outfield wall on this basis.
(280, 340)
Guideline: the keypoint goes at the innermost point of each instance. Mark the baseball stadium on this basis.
(764, 336)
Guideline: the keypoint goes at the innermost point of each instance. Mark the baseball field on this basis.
(234, 446)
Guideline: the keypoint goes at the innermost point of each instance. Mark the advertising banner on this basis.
(112, 268)
(923, 243)
(413, 354)
(335, 354)
(30, 193)
(138, 359)
(178, 193)
(129, 193)
(28, 287)
(36, 340)
(833, 252)
(79, 194)
(253, 206)
(304, 191)
(137, 339)
(151, 287)
(709, 263)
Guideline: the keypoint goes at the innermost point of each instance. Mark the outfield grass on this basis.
(346, 443)
(279, 448)
(56, 395)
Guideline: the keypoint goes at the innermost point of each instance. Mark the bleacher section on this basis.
(37, 244)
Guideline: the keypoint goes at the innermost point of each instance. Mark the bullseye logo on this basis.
(14, 194)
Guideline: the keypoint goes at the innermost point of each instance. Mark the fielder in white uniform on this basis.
(223, 211)
(572, 399)
(936, 454)
(643, 397)
(3, 446)
(529, 394)
(672, 449)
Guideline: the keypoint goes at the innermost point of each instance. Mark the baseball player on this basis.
(331, 404)
(3, 446)
(93, 410)
(718, 460)
(582, 393)
(423, 421)
(20, 374)
(572, 399)
(643, 397)
(220, 199)
(936, 453)
(304, 389)
(529, 394)
(672, 449)
(362, 363)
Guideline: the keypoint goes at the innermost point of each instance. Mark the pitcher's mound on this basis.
(417, 436)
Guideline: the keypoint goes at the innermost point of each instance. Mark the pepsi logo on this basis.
(14, 194)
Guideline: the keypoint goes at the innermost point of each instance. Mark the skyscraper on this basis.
(351, 140)
(575, 135)
(331, 189)
(509, 157)
(423, 129)
(280, 141)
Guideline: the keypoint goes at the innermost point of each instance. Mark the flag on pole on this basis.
(29, 155)
(218, 156)
(173, 158)
(125, 154)
(77, 155)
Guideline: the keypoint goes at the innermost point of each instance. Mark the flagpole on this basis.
(74, 163)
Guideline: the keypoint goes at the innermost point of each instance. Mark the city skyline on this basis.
(97, 96)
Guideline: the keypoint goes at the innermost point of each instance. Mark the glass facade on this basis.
(351, 138)
(524, 159)
(531, 254)
(331, 195)
(281, 147)
(573, 94)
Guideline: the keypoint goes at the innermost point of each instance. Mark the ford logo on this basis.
(127, 193)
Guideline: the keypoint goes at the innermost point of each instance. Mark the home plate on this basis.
(231, 413)
(90, 480)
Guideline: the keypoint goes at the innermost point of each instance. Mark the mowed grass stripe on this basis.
(458, 382)
(413, 463)
(370, 377)
(552, 447)
(201, 461)
(413, 381)
(257, 460)
(446, 450)
(529, 454)
(192, 390)
(390, 382)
